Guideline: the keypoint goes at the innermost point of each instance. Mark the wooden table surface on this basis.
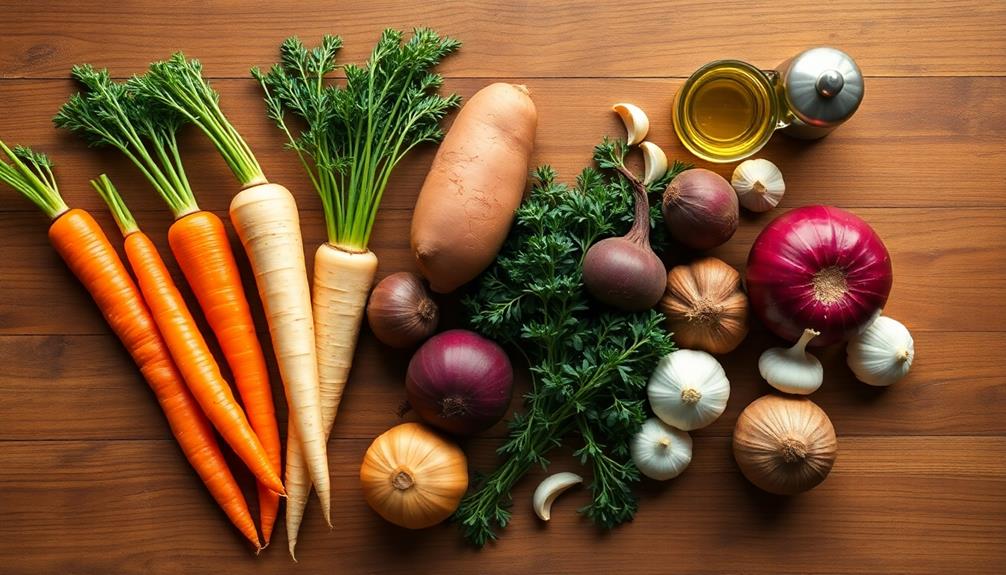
(92, 482)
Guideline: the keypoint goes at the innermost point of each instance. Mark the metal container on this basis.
(820, 88)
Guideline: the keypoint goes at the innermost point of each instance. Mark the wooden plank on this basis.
(905, 505)
(949, 392)
(933, 262)
(502, 39)
(920, 166)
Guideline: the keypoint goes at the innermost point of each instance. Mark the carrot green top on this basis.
(179, 84)
(123, 217)
(110, 113)
(357, 133)
(31, 174)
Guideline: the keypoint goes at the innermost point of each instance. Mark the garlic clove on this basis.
(792, 370)
(882, 355)
(637, 124)
(654, 162)
(550, 488)
(759, 185)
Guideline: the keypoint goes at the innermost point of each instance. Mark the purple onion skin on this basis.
(624, 274)
(789, 253)
(700, 209)
(460, 382)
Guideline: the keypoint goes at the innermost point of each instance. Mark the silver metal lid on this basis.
(823, 86)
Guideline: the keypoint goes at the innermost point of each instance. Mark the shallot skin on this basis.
(624, 274)
(818, 267)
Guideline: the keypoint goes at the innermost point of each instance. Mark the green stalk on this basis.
(356, 135)
(30, 173)
(179, 84)
(123, 217)
(117, 114)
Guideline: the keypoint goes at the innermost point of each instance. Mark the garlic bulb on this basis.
(659, 451)
(758, 184)
(792, 370)
(784, 445)
(688, 389)
(883, 353)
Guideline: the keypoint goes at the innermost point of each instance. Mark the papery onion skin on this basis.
(700, 209)
(818, 267)
(460, 382)
(401, 312)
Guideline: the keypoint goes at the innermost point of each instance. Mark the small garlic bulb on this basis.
(688, 389)
(758, 184)
(883, 353)
(659, 451)
(792, 369)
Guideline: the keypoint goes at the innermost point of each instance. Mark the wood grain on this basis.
(92, 483)
(869, 516)
(516, 39)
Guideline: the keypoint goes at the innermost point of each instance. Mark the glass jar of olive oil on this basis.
(728, 109)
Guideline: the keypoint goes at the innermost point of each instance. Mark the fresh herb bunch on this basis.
(589, 365)
(356, 134)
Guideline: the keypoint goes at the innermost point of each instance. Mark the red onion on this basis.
(460, 382)
(700, 209)
(818, 267)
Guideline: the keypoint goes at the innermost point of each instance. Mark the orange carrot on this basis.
(89, 255)
(200, 245)
(184, 341)
(112, 114)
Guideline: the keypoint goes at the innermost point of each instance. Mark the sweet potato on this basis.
(477, 180)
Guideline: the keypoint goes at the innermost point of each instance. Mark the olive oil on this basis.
(726, 111)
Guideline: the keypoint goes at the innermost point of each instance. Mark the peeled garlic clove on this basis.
(550, 488)
(654, 162)
(882, 354)
(792, 370)
(759, 185)
(636, 122)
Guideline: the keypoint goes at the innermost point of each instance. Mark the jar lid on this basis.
(823, 86)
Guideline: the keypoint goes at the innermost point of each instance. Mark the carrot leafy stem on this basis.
(30, 173)
(110, 113)
(178, 83)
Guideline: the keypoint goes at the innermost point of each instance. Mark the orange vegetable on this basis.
(113, 114)
(89, 255)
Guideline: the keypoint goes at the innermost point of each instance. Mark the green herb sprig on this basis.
(589, 365)
(356, 134)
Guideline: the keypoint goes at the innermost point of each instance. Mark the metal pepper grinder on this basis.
(821, 88)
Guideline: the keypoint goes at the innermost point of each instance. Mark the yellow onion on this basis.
(413, 477)
(784, 445)
(705, 307)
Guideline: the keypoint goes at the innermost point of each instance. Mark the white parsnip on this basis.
(342, 282)
(266, 220)
(349, 152)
